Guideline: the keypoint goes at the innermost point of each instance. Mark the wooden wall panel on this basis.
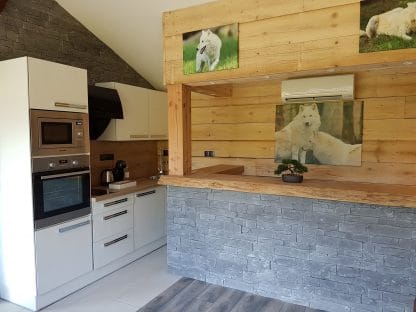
(141, 158)
(232, 128)
(276, 36)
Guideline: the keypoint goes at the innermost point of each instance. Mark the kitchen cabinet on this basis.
(149, 216)
(158, 115)
(145, 114)
(112, 229)
(63, 252)
(59, 87)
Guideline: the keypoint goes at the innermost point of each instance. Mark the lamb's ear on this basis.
(209, 31)
(301, 107)
(314, 107)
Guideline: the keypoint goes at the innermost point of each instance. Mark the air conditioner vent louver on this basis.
(317, 89)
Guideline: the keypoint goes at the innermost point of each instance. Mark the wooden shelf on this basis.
(369, 193)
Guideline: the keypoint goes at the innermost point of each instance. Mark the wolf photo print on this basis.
(387, 25)
(210, 49)
(326, 133)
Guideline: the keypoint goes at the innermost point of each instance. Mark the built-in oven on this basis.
(58, 133)
(61, 189)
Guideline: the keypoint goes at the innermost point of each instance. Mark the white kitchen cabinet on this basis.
(113, 247)
(54, 86)
(158, 115)
(63, 253)
(112, 222)
(145, 114)
(149, 216)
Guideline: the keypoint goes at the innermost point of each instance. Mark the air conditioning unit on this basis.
(318, 89)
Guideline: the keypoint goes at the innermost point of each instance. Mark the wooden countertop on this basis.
(370, 193)
(142, 184)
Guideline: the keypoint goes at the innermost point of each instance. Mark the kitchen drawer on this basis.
(113, 203)
(112, 248)
(112, 222)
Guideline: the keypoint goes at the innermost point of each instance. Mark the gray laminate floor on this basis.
(189, 295)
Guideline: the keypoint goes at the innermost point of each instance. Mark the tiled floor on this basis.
(126, 290)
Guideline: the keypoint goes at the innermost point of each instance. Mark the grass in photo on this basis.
(387, 25)
(210, 49)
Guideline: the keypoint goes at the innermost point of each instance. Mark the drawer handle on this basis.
(74, 226)
(138, 136)
(115, 241)
(77, 106)
(146, 193)
(116, 202)
(115, 215)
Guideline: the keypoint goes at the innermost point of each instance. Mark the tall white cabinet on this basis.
(29, 263)
(145, 114)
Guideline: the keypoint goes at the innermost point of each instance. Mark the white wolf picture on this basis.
(291, 140)
(332, 151)
(399, 22)
(208, 50)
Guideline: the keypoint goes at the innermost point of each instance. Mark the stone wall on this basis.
(43, 29)
(335, 256)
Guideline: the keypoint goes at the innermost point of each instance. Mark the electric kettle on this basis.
(107, 177)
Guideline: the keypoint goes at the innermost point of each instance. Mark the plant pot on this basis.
(292, 178)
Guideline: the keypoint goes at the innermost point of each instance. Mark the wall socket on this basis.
(106, 157)
(209, 153)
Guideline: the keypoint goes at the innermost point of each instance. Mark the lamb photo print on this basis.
(325, 133)
(387, 25)
(210, 49)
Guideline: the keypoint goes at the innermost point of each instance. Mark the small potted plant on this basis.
(292, 170)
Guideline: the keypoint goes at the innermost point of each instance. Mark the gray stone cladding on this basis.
(335, 256)
(43, 29)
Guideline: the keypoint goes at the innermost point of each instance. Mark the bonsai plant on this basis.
(292, 170)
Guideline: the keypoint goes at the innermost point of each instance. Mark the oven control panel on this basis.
(60, 163)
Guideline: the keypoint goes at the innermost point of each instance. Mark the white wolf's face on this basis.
(204, 40)
(309, 116)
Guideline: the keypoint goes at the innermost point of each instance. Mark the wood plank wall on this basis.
(240, 129)
(141, 158)
(275, 36)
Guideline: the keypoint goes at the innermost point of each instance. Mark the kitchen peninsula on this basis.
(344, 239)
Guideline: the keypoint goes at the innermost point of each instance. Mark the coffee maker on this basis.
(118, 171)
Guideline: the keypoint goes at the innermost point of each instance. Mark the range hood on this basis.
(103, 105)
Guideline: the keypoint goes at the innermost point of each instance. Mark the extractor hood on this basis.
(103, 105)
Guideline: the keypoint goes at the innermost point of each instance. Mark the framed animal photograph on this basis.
(325, 133)
(387, 25)
(210, 49)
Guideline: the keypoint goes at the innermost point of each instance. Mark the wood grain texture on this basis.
(179, 123)
(240, 130)
(277, 36)
(371, 193)
(141, 158)
(189, 295)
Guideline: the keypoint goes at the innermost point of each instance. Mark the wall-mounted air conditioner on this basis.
(318, 89)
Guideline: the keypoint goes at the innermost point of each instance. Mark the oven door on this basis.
(60, 196)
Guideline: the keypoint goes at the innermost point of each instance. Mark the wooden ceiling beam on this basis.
(2, 5)
(224, 90)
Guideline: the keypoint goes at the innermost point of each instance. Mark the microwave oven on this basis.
(55, 133)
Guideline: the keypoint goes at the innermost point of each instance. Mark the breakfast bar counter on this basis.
(356, 192)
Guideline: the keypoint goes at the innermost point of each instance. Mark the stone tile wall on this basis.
(335, 256)
(43, 29)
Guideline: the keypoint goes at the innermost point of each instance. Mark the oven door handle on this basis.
(62, 175)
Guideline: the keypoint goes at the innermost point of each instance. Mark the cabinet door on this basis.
(158, 115)
(63, 252)
(54, 86)
(135, 125)
(149, 216)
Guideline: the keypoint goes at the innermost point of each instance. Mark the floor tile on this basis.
(125, 290)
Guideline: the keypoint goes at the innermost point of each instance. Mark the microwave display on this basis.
(56, 133)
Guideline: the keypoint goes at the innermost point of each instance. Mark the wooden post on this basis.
(179, 123)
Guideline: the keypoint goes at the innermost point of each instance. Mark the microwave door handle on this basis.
(62, 175)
